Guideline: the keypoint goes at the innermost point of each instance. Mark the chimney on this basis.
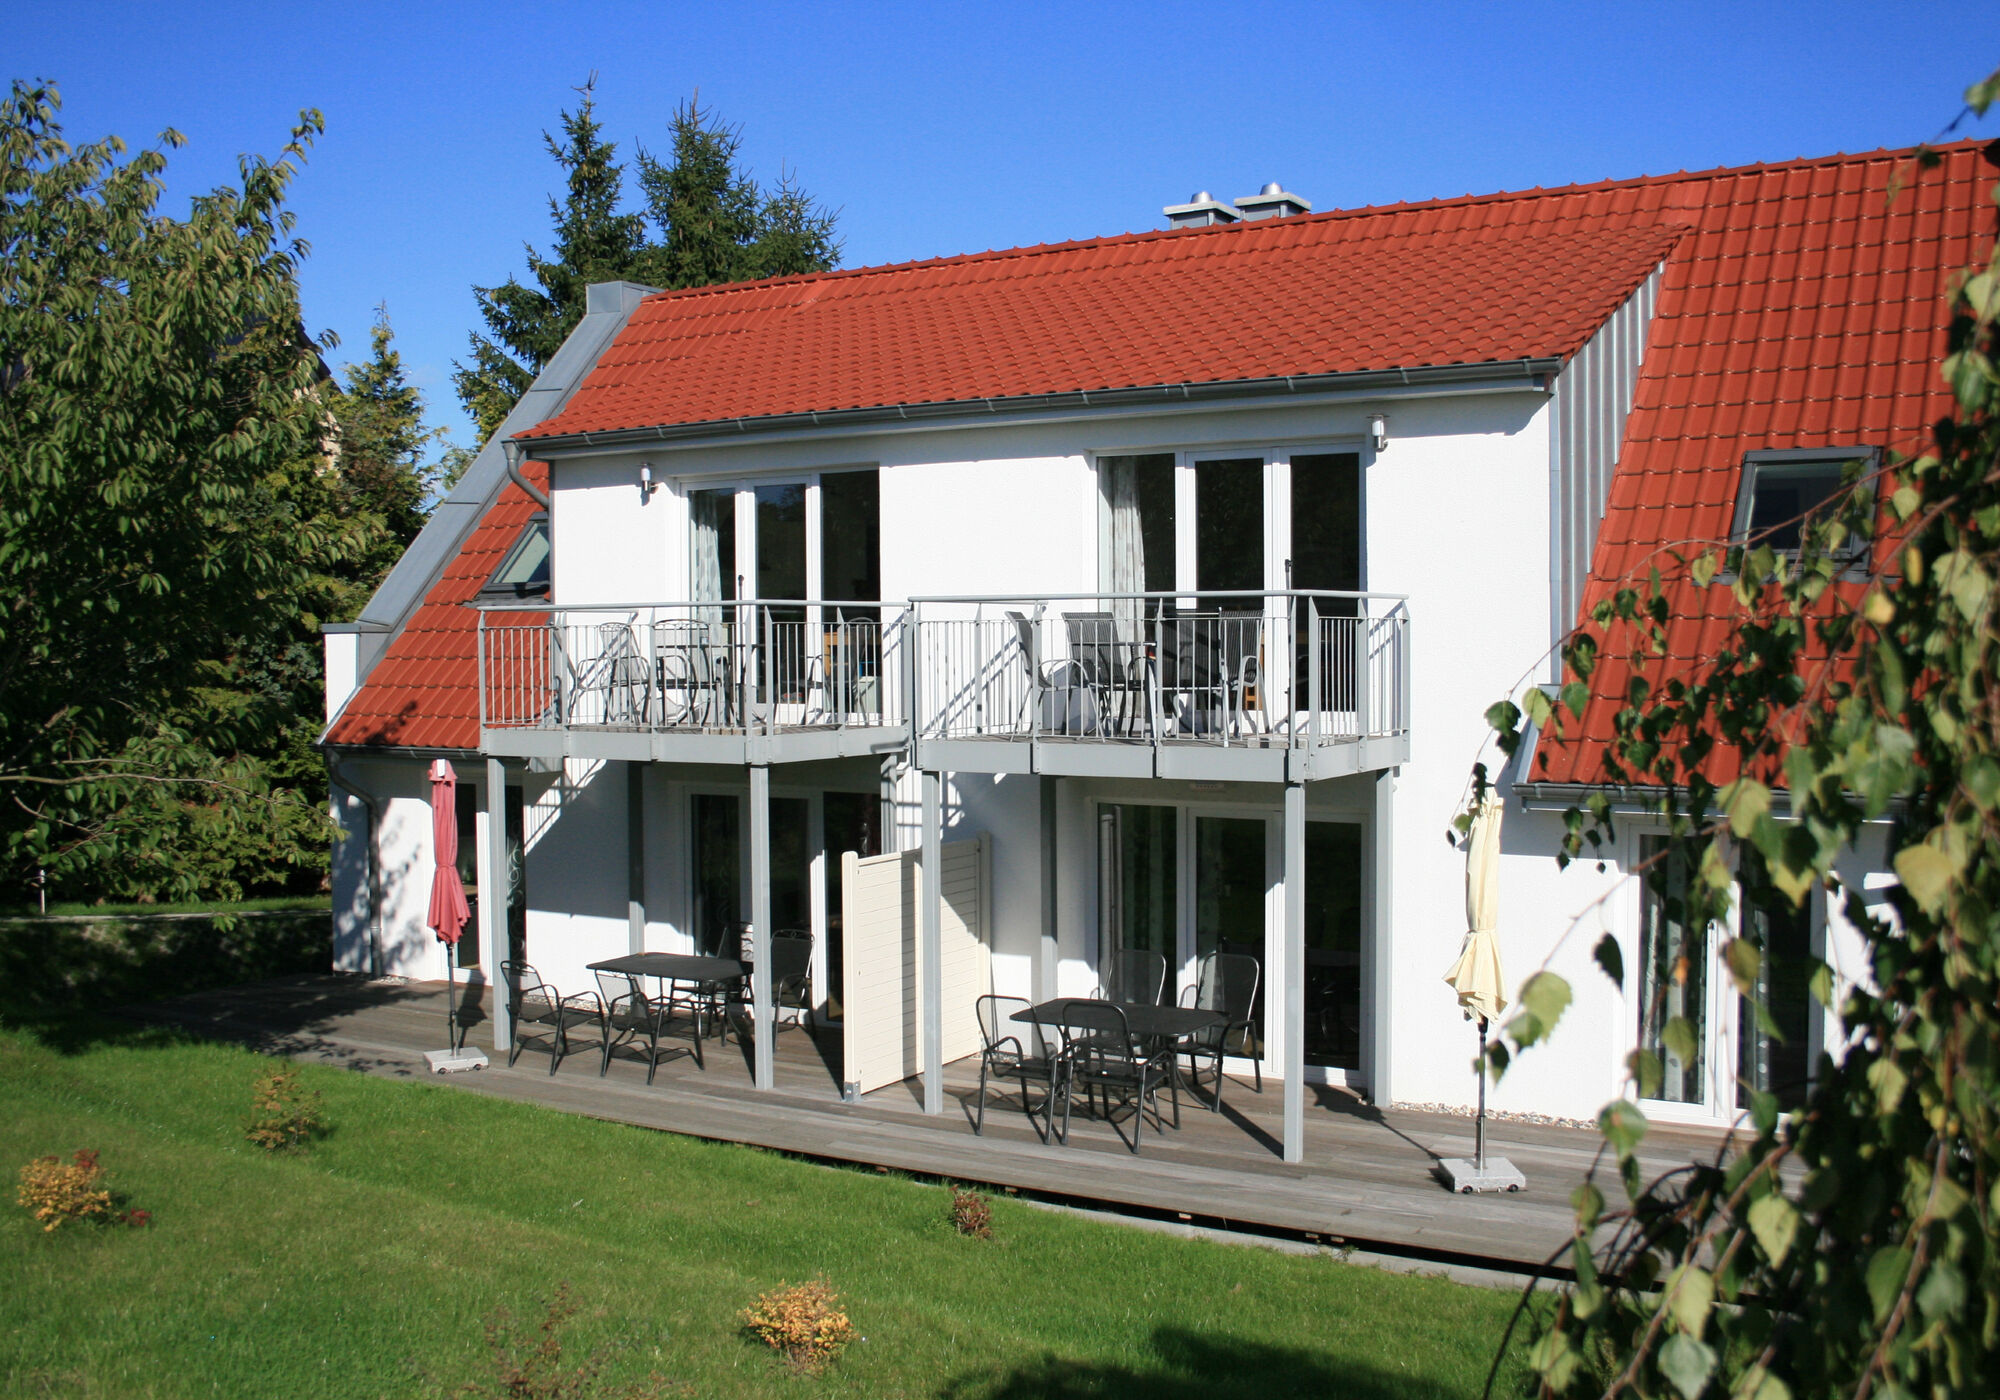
(1272, 202)
(1201, 210)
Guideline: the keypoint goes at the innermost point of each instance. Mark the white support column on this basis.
(929, 956)
(764, 1024)
(635, 857)
(494, 894)
(1295, 972)
(1047, 964)
(1379, 985)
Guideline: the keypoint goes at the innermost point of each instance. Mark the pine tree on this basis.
(714, 224)
(380, 440)
(594, 243)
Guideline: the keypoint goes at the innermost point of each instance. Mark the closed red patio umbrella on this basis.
(449, 910)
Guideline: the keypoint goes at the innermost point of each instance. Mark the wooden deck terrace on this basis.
(1369, 1177)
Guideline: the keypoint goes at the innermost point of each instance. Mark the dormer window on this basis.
(1781, 488)
(524, 573)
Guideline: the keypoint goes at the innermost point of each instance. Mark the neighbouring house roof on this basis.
(1470, 282)
(1804, 309)
(424, 692)
(1798, 307)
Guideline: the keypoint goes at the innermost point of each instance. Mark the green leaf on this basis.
(1588, 1202)
(1687, 1364)
(1745, 960)
(1536, 702)
(1942, 1293)
(1690, 1296)
(1679, 1038)
(1774, 1220)
(1543, 999)
(1926, 872)
(1702, 570)
(1575, 696)
(1888, 1267)
(1611, 958)
(1622, 1125)
(1820, 984)
(1747, 802)
(1644, 1067)
(1980, 777)
(1503, 716)
(1887, 1079)
(1759, 1384)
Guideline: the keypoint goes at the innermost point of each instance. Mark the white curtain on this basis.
(1128, 542)
(712, 512)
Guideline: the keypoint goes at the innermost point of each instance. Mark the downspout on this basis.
(514, 453)
(336, 779)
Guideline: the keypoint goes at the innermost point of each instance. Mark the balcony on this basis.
(1258, 687)
(769, 681)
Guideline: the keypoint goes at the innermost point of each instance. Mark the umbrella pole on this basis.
(450, 996)
(1479, 1123)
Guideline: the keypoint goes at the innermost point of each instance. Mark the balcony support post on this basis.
(930, 982)
(1295, 972)
(1046, 965)
(495, 902)
(1380, 962)
(635, 857)
(764, 1023)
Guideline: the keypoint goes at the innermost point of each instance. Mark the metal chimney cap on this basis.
(1199, 212)
(1274, 203)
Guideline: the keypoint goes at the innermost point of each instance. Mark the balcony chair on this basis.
(533, 1002)
(630, 1014)
(1137, 976)
(791, 977)
(1226, 983)
(1002, 1055)
(1111, 669)
(1100, 1057)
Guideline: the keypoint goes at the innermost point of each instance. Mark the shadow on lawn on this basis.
(65, 979)
(1193, 1366)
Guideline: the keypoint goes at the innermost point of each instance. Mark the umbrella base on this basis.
(1465, 1177)
(452, 1061)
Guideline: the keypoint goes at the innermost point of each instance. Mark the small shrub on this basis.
(288, 1117)
(802, 1322)
(528, 1365)
(73, 1192)
(971, 1214)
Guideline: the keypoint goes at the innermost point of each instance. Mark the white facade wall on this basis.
(1457, 517)
(400, 788)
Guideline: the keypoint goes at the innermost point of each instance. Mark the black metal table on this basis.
(1141, 1018)
(676, 967)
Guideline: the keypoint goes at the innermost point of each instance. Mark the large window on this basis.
(1673, 976)
(1774, 1023)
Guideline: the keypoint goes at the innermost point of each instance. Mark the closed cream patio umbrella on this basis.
(1477, 979)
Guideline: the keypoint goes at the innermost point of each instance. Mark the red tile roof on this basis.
(1474, 282)
(1799, 307)
(1804, 309)
(424, 693)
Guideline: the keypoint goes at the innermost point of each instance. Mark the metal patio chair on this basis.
(1136, 975)
(1109, 667)
(629, 1015)
(1004, 1055)
(791, 977)
(1225, 983)
(533, 1002)
(1101, 1057)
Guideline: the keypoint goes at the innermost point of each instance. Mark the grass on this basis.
(365, 1265)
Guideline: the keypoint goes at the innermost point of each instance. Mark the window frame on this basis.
(1793, 461)
(493, 588)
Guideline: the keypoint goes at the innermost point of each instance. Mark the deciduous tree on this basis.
(1850, 1247)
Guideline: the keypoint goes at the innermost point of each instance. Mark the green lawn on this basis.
(364, 1267)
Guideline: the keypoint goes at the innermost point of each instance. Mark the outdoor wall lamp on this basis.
(1378, 430)
(646, 483)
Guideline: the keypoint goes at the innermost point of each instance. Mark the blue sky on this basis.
(946, 128)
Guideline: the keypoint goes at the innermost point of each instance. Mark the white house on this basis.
(1179, 568)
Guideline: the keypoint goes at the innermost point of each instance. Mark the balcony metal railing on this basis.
(762, 667)
(1267, 669)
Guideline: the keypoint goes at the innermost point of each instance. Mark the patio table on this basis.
(677, 967)
(1141, 1018)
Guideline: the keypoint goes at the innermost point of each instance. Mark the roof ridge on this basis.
(1028, 250)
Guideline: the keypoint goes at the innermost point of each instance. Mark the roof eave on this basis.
(1528, 374)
